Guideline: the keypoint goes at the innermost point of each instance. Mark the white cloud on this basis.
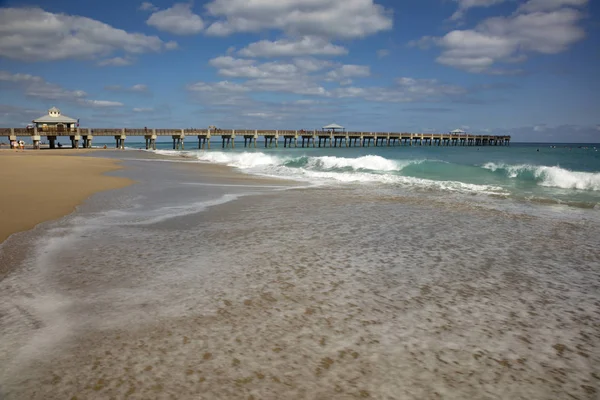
(179, 20)
(223, 86)
(323, 18)
(406, 90)
(146, 6)
(36, 87)
(549, 5)
(465, 5)
(508, 39)
(271, 76)
(348, 71)
(32, 34)
(268, 115)
(139, 88)
(429, 87)
(310, 64)
(100, 103)
(381, 53)
(116, 62)
(307, 45)
(305, 76)
(142, 110)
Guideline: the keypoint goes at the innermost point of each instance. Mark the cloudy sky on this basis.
(528, 68)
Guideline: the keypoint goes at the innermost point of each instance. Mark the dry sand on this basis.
(39, 186)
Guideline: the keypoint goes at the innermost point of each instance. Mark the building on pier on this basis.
(457, 132)
(54, 120)
(334, 128)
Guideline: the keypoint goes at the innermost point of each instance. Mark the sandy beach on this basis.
(40, 186)
(200, 282)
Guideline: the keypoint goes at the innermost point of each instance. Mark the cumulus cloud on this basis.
(146, 6)
(100, 103)
(427, 87)
(139, 88)
(307, 45)
(310, 64)
(510, 39)
(143, 110)
(37, 87)
(549, 5)
(381, 53)
(323, 18)
(223, 86)
(405, 90)
(271, 76)
(32, 34)
(348, 71)
(179, 20)
(116, 62)
(305, 76)
(465, 5)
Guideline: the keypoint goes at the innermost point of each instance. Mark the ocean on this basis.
(332, 273)
(566, 174)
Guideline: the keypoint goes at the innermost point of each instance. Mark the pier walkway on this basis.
(291, 138)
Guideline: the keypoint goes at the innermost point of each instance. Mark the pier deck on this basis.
(271, 137)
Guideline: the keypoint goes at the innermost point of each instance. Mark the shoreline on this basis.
(45, 186)
(258, 297)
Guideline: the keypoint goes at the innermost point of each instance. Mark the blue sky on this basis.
(526, 68)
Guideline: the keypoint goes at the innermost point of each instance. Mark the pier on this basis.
(83, 137)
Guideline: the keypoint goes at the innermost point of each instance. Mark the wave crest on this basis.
(549, 176)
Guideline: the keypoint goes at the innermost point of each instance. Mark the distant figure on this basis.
(538, 150)
(105, 147)
(59, 145)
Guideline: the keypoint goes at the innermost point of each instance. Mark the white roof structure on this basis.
(457, 131)
(54, 117)
(333, 126)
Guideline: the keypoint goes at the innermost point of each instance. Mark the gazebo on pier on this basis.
(54, 121)
(457, 132)
(333, 128)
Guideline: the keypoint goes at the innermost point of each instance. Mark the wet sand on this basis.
(304, 294)
(40, 186)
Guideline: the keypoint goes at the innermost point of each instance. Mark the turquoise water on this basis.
(541, 173)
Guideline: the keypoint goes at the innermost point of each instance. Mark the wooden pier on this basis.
(291, 138)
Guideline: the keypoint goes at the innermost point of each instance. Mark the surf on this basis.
(548, 176)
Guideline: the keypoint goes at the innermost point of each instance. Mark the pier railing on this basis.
(271, 137)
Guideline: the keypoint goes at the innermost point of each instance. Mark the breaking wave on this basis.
(548, 176)
(331, 169)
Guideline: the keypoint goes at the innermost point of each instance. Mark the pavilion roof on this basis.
(333, 126)
(44, 119)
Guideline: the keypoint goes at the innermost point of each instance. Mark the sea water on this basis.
(562, 173)
(392, 273)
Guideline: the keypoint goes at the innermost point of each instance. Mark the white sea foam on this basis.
(325, 169)
(550, 176)
(241, 160)
(372, 163)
